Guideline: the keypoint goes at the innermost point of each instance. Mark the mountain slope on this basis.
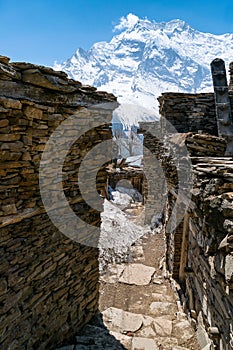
(146, 58)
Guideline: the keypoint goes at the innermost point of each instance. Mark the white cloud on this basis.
(126, 22)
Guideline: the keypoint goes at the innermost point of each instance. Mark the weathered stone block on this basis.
(33, 113)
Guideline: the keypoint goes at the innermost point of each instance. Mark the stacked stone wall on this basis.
(209, 255)
(154, 184)
(189, 112)
(199, 247)
(48, 282)
(133, 175)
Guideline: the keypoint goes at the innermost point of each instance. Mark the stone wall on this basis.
(199, 250)
(154, 185)
(189, 112)
(133, 175)
(49, 282)
(231, 77)
(198, 216)
(180, 146)
(208, 252)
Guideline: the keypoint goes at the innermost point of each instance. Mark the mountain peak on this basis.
(175, 24)
(126, 22)
(132, 22)
(145, 58)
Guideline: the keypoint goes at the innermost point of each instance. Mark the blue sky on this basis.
(42, 31)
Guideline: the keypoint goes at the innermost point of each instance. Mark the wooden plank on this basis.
(184, 248)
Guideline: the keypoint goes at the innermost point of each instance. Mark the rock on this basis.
(228, 226)
(9, 209)
(7, 71)
(159, 308)
(203, 339)
(4, 123)
(122, 321)
(10, 103)
(113, 273)
(43, 69)
(139, 343)
(10, 156)
(53, 82)
(227, 207)
(183, 331)
(137, 252)
(229, 267)
(137, 274)
(125, 340)
(12, 146)
(4, 59)
(163, 326)
(162, 297)
(121, 200)
(157, 280)
(147, 321)
(147, 332)
(3, 110)
(9, 137)
(33, 113)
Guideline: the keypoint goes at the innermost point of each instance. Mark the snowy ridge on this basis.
(147, 58)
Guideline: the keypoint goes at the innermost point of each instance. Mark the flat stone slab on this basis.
(183, 330)
(122, 321)
(113, 274)
(147, 320)
(139, 343)
(159, 308)
(147, 332)
(162, 297)
(137, 274)
(163, 326)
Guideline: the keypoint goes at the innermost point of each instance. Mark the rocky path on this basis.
(139, 305)
(139, 308)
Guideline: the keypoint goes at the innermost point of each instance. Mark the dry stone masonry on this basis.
(189, 112)
(200, 251)
(48, 282)
(208, 256)
(154, 185)
(132, 174)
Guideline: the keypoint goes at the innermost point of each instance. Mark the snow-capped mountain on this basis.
(145, 58)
